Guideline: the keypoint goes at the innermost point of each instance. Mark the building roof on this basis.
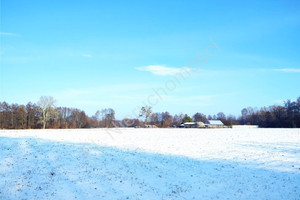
(189, 123)
(214, 122)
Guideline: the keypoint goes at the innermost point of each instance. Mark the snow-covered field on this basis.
(150, 164)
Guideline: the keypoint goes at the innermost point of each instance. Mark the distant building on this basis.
(189, 125)
(214, 124)
(193, 125)
(181, 126)
(200, 125)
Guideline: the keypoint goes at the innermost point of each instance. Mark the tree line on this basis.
(44, 114)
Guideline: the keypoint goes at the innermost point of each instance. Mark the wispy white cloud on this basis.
(9, 34)
(87, 55)
(291, 70)
(162, 70)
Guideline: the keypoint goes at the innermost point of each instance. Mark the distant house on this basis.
(214, 124)
(200, 125)
(189, 125)
(193, 125)
(181, 126)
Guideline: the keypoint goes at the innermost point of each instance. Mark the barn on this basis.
(193, 125)
(214, 124)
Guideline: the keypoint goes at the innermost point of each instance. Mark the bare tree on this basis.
(221, 116)
(177, 119)
(108, 116)
(165, 119)
(199, 117)
(46, 103)
(146, 112)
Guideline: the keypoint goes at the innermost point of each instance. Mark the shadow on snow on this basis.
(32, 168)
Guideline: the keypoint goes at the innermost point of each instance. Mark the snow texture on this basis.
(148, 164)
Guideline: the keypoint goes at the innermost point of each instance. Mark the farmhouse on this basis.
(189, 125)
(193, 125)
(214, 124)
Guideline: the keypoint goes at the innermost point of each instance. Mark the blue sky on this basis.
(99, 54)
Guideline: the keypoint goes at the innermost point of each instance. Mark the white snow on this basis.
(150, 164)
